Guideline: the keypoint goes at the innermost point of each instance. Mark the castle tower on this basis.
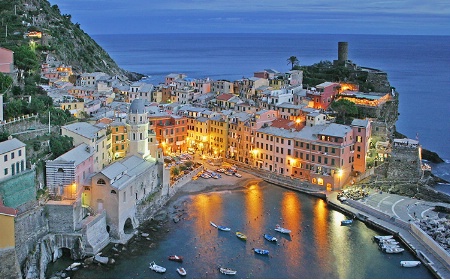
(137, 129)
(342, 51)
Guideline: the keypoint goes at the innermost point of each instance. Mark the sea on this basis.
(417, 66)
(319, 247)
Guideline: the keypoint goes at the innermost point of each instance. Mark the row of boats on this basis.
(389, 245)
(240, 235)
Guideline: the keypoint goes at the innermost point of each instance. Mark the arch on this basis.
(60, 170)
(113, 192)
(128, 226)
(101, 182)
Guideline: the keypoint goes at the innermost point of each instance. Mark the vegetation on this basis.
(293, 60)
(345, 109)
(60, 144)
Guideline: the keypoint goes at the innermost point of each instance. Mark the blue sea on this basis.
(417, 66)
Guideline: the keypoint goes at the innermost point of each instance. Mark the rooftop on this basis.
(11, 145)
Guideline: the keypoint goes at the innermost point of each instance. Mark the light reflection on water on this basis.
(318, 247)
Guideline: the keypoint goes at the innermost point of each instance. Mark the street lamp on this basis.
(339, 174)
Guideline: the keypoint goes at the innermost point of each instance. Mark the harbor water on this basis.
(318, 246)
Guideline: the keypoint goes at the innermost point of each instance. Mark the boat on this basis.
(241, 236)
(223, 228)
(382, 237)
(281, 229)
(394, 250)
(157, 268)
(181, 271)
(384, 247)
(213, 224)
(409, 263)
(389, 242)
(261, 251)
(346, 222)
(176, 258)
(227, 271)
(270, 238)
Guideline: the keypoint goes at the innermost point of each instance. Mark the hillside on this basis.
(60, 36)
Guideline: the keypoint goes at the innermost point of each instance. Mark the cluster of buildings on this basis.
(268, 121)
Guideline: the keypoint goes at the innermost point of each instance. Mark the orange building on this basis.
(171, 132)
(7, 230)
(119, 140)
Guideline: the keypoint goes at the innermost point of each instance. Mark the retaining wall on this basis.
(430, 242)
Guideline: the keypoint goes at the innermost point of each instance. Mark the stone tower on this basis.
(137, 129)
(342, 51)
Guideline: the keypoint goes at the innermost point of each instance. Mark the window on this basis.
(12, 155)
(20, 153)
(5, 158)
(358, 139)
(101, 182)
(113, 192)
(6, 171)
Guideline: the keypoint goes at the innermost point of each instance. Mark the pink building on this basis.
(362, 133)
(66, 174)
(6, 61)
(323, 94)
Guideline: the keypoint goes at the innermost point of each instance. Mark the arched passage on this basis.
(128, 226)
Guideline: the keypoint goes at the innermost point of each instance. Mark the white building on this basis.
(12, 158)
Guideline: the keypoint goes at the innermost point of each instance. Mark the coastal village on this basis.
(138, 144)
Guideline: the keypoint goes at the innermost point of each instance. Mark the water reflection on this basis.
(254, 212)
(321, 230)
(291, 216)
(339, 239)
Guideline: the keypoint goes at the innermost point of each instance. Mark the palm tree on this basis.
(293, 60)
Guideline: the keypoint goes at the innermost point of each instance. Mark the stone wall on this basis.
(95, 235)
(430, 242)
(9, 266)
(60, 218)
(30, 227)
(404, 164)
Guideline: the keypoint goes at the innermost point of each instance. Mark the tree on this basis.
(60, 144)
(25, 58)
(15, 108)
(344, 108)
(293, 60)
(5, 82)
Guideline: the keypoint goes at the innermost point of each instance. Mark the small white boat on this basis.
(157, 268)
(281, 229)
(271, 238)
(384, 247)
(393, 250)
(382, 237)
(213, 224)
(181, 271)
(389, 242)
(224, 228)
(409, 263)
(227, 271)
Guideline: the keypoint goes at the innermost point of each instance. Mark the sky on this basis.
(407, 17)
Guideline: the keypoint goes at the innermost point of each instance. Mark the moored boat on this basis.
(281, 229)
(181, 271)
(393, 250)
(409, 263)
(223, 228)
(261, 251)
(346, 222)
(176, 258)
(241, 236)
(157, 268)
(227, 271)
(382, 237)
(213, 224)
(270, 238)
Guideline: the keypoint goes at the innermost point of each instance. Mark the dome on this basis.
(137, 106)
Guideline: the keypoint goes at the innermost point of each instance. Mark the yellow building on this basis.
(119, 139)
(7, 231)
(198, 134)
(218, 136)
(75, 108)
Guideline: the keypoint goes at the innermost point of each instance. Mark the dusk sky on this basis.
(409, 17)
